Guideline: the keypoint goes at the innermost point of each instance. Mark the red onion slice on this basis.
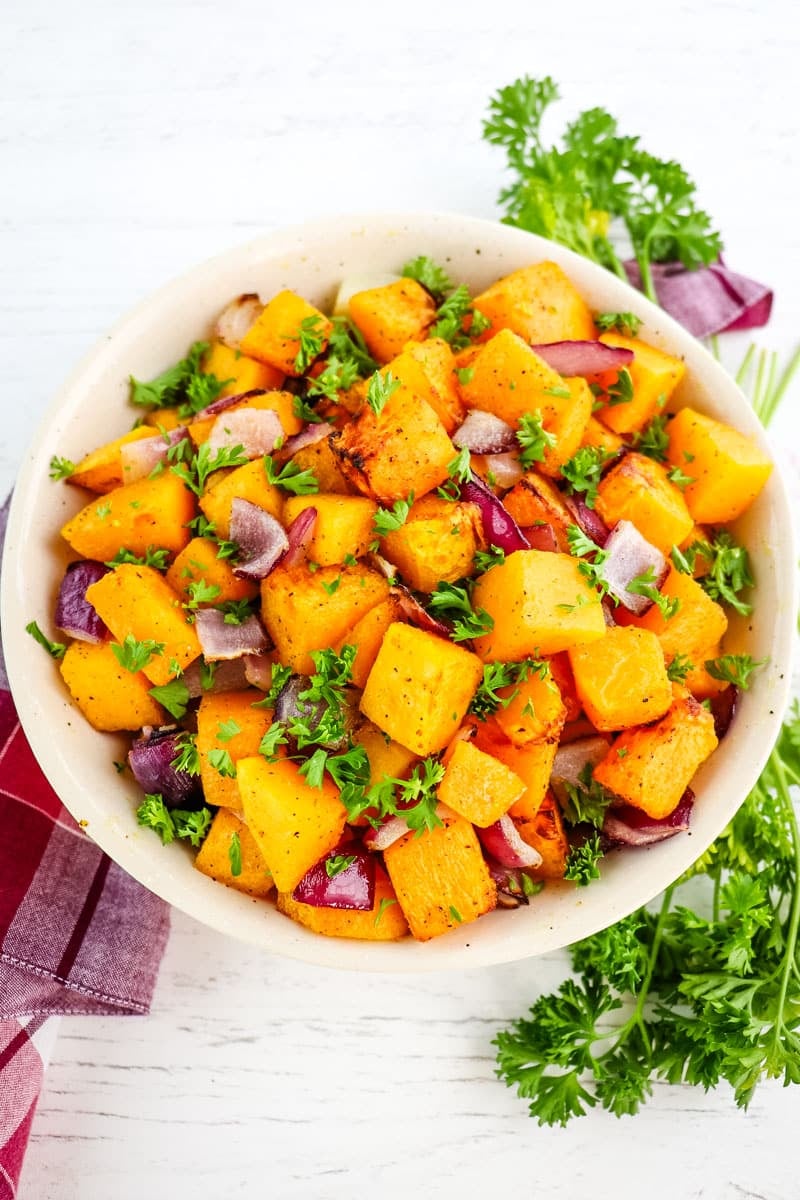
(571, 760)
(587, 520)
(299, 534)
(74, 614)
(261, 539)
(223, 403)
(220, 642)
(583, 358)
(150, 759)
(256, 430)
(235, 319)
(499, 527)
(629, 826)
(224, 677)
(317, 431)
(386, 834)
(506, 846)
(140, 458)
(416, 614)
(506, 469)
(258, 671)
(542, 537)
(351, 888)
(631, 555)
(723, 709)
(484, 433)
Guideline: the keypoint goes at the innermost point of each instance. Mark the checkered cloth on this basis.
(77, 935)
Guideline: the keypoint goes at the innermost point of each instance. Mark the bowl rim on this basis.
(455, 950)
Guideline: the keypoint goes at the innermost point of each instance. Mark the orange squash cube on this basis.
(436, 543)
(344, 525)
(367, 635)
(545, 832)
(243, 374)
(637, 490)
(654, 376)
(101, 470)
(476, 785)
(540, 603)
(420, 688)
(274, 337)
(428, 370)
(244, 483)
(532, 710)
(622, 679)
(440, 878)
(323, 464)
(294, 824)
(138, 601)
(305, 610)
(698, 623)
(150, 512)
(567, 422)
(534, 500)
(384, 923)
(227, 721)
(532, 762)
(110, 697)
(596, 434)
(387, 758)
(698, 681)
(509, 380)
(388, 317)
(402, 449)
(728, 468)
(651, 768)
(539, 303)
(199, 562)
(214, 856)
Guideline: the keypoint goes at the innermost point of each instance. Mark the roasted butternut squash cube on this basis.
(440, 878)
(242, 374)
(437, 542)
(228, 725)
(540, 603)
(110, 697)
(698, 623)
(294, 824)
(622, 679)
(138, 601)
(274, 338)
(420, 688)
(281, 403)
(536, 501)
(150, 512)
(101, 470)
(243, 483)
(388, 317)
(509, 380)
(343, 528)
(637, 489)
(728, 468)
(323, 464)
(561, 670)
(539, 303)
(428, 370)
(367, 635)
(596, 434)
(198, 562)
(698, 681)
(532, 710)
(545, 832)
(478, 786)
(214, 858)
(566, 419)
(654, 376)
(305, 610)
(402, 449)
(532, 762)
(384, 923)
(387, 758)
(651, 768)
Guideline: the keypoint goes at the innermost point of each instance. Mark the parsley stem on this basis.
(744, 365)
(789, 959)
(636, 1019)
(648, 286)
(777, 393)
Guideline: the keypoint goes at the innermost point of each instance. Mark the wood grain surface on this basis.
(137, 139)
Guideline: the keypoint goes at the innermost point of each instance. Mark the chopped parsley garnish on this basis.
(336, 377)
(653, 440)
(196, 471)
(61, 468)
(381, 388)
(587, 801)
(227, 730)
(486, 559)
(54, 649)
(582, 861)
(235, 854)
(173, 823)
(428, 273)
(621, 390)
(645, 585)
(729, 569)
(533, 438)
(311, 338)
(183, 384)
(501, 675)
(222, 763)
(336, 863)
(451, 316)
(158, 559)
(387, 520)
(453, 602)
(187, 758)
(623, 322)
(174, 696)
(583, 471)
(581, 546)
(346, 344)
(679, 478)
(734, 668)
(291, 477)
(236, 612)
(385, 903)
(679, 668)
(134, 655)
(201, 592)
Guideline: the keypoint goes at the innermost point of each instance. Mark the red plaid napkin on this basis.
(77, 935)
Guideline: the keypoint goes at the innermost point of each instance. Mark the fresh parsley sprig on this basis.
(173, 823)
(453, 602)
(582, 472)
(432, 277)
(54, 649)
(625, 323)
(734, 668)
(729, 571)
(184, 384)
(61, 468)
(381, 388)
(196, 470)
(291, 477)
(534, 440)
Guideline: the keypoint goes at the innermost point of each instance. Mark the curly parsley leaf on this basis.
(453, 602)
(582, 861)
(534, 440)
(454, 315)
(582, 472)
(133, 655)
(734, 668)
(61, 468)
(387, 520)
(291, 477)
(625, 323)
(235, 854)
(428, 273)
(381, 388)
(183, 384)
(54, 649)
(174, 696)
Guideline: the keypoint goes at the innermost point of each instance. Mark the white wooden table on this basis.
(139, 138)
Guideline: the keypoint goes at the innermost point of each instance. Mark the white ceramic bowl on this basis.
(92, 408)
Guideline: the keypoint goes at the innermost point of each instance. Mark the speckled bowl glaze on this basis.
(92, 408)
